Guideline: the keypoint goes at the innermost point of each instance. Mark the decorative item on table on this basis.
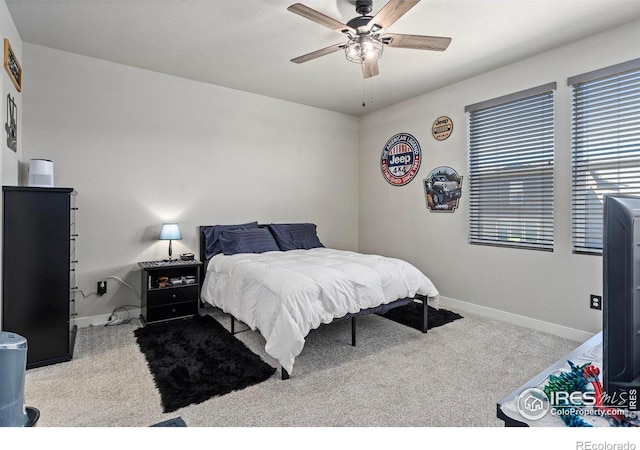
(187, 256)
(170, 232)
(175, 281)
(189, 279)
(163, 281)
(40, 173)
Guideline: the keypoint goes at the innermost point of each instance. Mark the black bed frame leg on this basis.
(425, 315)
(284, 373)
(233, 325)
(353, 331)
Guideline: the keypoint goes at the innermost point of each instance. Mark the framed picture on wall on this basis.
(11, 126)
(12, 65)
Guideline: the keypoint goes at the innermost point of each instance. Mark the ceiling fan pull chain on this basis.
(371, 90)
(363, 93)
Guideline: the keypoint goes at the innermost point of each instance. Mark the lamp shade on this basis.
(170, 231)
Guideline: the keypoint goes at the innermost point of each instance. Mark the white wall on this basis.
(550, 287)
(10, 159)
(141, 148)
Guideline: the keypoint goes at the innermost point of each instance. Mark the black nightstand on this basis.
(170, 289)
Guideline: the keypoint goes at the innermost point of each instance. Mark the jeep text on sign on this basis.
(442, 128)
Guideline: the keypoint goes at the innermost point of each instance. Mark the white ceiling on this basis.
(247, 44)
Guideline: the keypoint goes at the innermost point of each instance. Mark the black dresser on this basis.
(38, 270)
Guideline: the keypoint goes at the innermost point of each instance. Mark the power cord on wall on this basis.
(110, 277)
(122, 282)
(114, 318)
(85, 296)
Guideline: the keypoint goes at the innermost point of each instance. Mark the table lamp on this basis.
(170, 232)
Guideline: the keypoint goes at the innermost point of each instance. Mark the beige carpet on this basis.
(395, 377)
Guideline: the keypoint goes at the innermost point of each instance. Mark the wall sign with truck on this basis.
(443, 189)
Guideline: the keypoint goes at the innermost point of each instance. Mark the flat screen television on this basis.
(621, 297)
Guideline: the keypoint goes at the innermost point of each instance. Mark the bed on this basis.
(280, 280)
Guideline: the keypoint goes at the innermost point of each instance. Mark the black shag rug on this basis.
(194, 359)
(411, 316)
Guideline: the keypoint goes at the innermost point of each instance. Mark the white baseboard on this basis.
(103, 319)
(535, 324)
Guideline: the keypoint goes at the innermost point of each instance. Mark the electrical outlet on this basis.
(102, 287)
(595, 301)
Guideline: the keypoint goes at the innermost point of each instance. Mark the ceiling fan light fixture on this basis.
(365, 33)
(363, 49)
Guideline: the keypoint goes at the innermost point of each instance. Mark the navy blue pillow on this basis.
(212, 236)
(295, 236)
(250, 240)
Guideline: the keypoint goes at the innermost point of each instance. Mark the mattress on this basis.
(284, 295)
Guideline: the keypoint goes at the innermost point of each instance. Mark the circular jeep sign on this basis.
(442, 128)
(400, 160)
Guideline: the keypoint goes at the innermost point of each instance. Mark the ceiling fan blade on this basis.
(416, 42)
(391, 12)
(370, 69)
(318, 53)
(318, 17)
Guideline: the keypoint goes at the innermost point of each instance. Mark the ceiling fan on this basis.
(366, 34)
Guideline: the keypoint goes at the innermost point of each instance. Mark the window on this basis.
(605, 146)
(511, 170)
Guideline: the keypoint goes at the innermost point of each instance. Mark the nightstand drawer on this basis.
(172, 295)
(171, 311)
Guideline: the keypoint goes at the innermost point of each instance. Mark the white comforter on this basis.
(286, 294)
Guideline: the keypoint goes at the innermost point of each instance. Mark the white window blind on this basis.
(605, 146)
(510, 163)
